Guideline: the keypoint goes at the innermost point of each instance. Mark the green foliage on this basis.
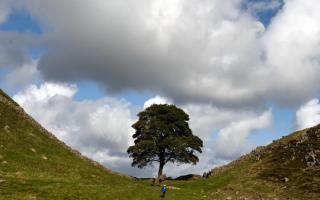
(163, 135)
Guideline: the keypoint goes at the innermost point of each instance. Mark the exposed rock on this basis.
(31, 197)
(7, 128)
(229, 198)
(310, 159)
(44, 158)
(19, 174)
(31, 134)
(4, 162)
(2, 181)
(286, 179)
(33, 150)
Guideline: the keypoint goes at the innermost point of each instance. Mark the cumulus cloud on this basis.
(190, 51)
(231, 141)
(156, 100)
(23, 76)
(308, 115)
(206, 118)
(5, 8)
(14, 45)
(100, 129)
(293, 52)
(13, 49)
(187, 50)
(3, 11)
(193, 52)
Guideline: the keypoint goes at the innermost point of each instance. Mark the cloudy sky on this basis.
(246, 71)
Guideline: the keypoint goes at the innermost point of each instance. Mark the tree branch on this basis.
(169, 158)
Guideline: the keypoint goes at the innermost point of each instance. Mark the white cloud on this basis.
(308, 115)
(156, 100)
(14, 45)
(44, 93)
(231, 141)
(98, 129)
(3, 13)
(4, 10)
(190, 51)
(210, 52)
(293, 52)
(23, 76)
(205, 118)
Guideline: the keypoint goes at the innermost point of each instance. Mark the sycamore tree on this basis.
(162, 135)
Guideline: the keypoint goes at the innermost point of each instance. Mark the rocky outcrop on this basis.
(312, 158)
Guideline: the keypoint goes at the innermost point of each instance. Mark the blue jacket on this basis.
(164, 189)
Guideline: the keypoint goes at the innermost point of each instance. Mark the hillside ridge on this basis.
(285, 143)
(6, 99)
(288, 168)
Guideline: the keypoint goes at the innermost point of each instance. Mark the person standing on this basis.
(164, 190)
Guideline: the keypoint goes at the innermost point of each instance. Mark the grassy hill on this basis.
(288, 168)
(36, 165)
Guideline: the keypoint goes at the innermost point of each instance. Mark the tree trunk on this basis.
(161, 165)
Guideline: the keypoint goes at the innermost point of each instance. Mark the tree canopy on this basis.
(162, 135)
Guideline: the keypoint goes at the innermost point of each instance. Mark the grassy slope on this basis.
(266, 168)
(25, 173)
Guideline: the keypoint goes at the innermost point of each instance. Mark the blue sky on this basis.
(21, 21)
(112, 63)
